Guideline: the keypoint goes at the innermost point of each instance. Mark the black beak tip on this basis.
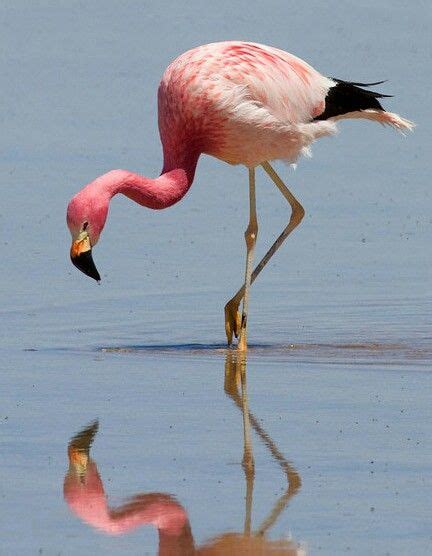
(84, 262)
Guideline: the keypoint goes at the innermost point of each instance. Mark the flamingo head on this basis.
(86, 216)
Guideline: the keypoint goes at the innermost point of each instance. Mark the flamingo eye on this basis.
(84, 226)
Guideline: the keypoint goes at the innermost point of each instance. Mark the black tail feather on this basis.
(364, 85)
(348, 96)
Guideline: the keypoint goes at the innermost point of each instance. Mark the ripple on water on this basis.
(343, 353)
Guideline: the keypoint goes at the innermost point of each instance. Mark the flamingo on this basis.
(243, 103)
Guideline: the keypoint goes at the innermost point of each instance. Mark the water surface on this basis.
(338, 374)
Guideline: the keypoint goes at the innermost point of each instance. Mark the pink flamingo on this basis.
(243, 103)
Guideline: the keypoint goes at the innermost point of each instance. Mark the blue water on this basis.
(338, 375)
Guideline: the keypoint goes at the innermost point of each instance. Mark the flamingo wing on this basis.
(246, 102)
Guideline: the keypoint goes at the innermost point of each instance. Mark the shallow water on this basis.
(355, 437)
(338, 389)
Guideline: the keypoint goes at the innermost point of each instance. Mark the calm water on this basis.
(336, 409)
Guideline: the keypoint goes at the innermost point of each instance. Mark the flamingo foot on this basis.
(232, 319)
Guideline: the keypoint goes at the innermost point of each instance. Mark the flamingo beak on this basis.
(81, 256)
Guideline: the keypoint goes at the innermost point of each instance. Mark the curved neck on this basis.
(85, 496)
(162, 192)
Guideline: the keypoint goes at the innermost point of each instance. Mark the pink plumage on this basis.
(241, 102)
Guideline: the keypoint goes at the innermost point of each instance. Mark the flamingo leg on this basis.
(250, 237)
(232, 318)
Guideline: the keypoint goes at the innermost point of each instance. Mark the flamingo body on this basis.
(243, 103)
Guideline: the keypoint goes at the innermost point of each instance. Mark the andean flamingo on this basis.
(243, 103)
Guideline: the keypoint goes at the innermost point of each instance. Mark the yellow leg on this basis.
(236, 323)
(250, 237)
(231, 308)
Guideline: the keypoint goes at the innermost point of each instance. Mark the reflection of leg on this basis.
(248, 462)
(231, 308)
(235, 376)
(292, 476)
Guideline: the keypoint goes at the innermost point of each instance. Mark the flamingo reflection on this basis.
(85, 495)
(236, 388)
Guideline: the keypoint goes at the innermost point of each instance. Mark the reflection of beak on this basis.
(79, 448)
(81, 256)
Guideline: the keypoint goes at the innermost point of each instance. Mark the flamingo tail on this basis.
(351, 100)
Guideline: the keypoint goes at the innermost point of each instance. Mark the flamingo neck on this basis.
(155, 193)
(86, 497)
